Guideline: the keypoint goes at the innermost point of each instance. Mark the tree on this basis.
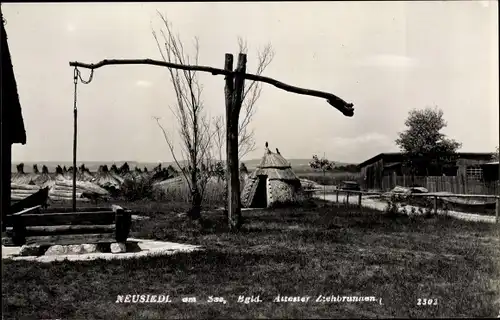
(424, 146)
(194, 127)
(324, 165)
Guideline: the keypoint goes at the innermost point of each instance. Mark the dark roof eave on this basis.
(377, 157)
(10, 97)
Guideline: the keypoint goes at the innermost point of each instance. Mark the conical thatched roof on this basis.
(275, 167)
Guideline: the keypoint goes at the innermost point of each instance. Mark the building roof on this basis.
(398, 157)
(11, 108)
(380, 156)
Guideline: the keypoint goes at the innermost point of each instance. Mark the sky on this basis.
(384, 57)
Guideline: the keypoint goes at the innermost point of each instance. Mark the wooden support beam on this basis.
(435, 205)
(235, 81)
(234, 192)
(55, 219)
(497, 210)
(64, 229)
(123, 220)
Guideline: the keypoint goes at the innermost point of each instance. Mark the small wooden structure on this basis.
(92, 226)
(12, 128)
(272, 182)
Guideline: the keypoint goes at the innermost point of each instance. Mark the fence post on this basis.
(435, 205)
(337, 197)
(359, 199)
(347, 201)
(497, 209)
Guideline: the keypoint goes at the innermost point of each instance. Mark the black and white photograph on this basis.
(250, 160)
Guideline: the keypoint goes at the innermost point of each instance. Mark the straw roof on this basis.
(275, 167)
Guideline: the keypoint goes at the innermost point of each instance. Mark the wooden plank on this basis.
(497, 209)
(64, 229)
(79, 209)
(29, 210)
(71, 239)
(54, 219)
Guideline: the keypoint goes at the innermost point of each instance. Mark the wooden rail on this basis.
(434, 195)
(31, 226)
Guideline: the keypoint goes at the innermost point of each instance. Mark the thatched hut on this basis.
(273, 182)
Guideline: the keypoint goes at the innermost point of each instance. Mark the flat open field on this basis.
(318, 250)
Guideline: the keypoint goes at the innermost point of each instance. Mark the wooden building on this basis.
(373, 170)
(11, 121)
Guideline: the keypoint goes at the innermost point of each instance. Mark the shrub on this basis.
(137, 189)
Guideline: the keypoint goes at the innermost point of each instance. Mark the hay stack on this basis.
(105, 180)
(115, 173)
(44, 179)
(21, 177)
(59, 173)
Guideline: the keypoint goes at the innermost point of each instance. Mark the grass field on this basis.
(297, 252)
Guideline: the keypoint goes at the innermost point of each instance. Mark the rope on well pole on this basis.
(77, 75)
(75, 114)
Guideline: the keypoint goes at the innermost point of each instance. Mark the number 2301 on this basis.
(427, 302)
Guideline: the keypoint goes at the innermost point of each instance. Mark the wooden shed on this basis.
(11, 120)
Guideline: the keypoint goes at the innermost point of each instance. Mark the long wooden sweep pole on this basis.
(239, 75)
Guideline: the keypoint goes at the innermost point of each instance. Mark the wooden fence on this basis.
(442, 184)
(435, 196)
